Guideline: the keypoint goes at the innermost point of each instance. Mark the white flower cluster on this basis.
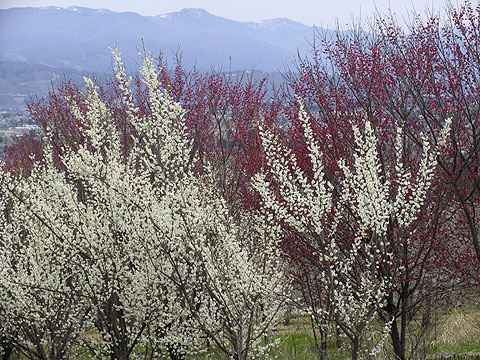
(345, 262)
(138, 247)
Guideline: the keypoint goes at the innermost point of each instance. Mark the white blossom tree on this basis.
(344, 227)
(144, 246)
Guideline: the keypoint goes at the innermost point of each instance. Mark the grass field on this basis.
(453, 334)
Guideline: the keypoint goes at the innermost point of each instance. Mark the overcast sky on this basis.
(310, 12)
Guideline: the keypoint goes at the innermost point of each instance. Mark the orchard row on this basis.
(174, 211)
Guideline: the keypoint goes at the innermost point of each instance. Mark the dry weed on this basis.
(460, 328)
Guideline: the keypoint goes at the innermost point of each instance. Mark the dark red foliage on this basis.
(222, 116)
(416, 80)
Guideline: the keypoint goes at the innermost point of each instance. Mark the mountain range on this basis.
(76, 39)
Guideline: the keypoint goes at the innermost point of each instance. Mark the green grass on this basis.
(456, 333)
(301, 346)
(296, 346)
(455, 349)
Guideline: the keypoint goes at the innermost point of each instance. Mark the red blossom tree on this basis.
(223, 111)
(411, 79)
(414, 80)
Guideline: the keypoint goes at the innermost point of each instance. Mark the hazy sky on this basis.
(318, 12)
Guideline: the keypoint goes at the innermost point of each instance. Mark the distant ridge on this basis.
(49, 41)
(77, 38)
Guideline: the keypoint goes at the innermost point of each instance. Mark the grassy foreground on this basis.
(452, 334)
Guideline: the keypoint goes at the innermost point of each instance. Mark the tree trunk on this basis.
(338, 339)
(399, 337)
(398, 350)
(403, 334)
(7, 349)
(176, 353)
(355, 343)
(323, 345)
(471, 224)
(239, 354)
(288, 315)
(115, 325)
(119, 353)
